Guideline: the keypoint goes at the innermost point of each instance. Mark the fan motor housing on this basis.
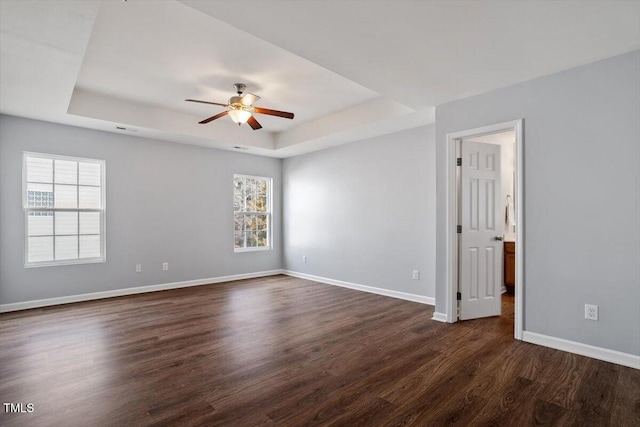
(240, 87)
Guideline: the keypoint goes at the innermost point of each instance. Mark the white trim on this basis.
(102, 210)
(253, 249)
(371, 289)
(131, 291)
(25, 305)
(242, 175)
(451, 303)
(451, 247)
(518, 326)
(65, 262)
(613, 356)
(268, 213)
(439, 317)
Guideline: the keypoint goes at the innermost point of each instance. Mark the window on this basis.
(64, 207)
(252, 213)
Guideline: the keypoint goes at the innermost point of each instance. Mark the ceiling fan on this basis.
(241, 108)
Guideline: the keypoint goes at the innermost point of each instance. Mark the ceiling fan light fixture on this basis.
(239, 116)
(241, 109)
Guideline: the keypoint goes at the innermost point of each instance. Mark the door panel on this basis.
(480, 254)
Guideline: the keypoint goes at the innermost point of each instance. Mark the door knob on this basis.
(499, 238)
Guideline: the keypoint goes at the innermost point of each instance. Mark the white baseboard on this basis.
(25, 305)
(613, 356)
(131, 291)
(371, 289)
(439, 317)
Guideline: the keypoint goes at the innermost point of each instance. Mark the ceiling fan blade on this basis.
(283, 114)
(249, 99)
(254, 123)
(212, 118)
(206, 102)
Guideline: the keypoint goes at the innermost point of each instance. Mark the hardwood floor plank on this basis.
(626, 409)
(507, 403)
(282, 351)
(442, 384)
(365, 412)
(494, 386)
(456, 354)
(594, 401)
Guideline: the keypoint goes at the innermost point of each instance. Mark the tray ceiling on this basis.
(348, 70)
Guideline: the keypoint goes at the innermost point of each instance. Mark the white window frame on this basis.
(269, 214)
(27, 210)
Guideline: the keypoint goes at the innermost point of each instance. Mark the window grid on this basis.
(252, 213)
(38, 203)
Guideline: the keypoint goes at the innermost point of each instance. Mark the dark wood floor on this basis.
(282, 351)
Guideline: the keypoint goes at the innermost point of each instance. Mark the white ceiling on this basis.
(348, 70)
(184, 53)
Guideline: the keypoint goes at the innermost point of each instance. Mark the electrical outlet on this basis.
(416, 274)
(304, 258)
(591, 312)
(165, 266)
(138, 268)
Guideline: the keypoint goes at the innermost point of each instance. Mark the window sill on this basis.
(263, 248)
(66, 262)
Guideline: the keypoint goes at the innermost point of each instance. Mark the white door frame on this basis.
(451, 272)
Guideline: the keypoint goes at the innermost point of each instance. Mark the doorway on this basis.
(478, 142)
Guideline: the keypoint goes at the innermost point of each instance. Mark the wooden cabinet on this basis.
(510, 265)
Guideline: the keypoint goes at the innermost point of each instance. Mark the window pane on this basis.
(40, 223)
(262, 238)
(250, 222)
(90, 173)
(250, 195)
(252, 240)
(66, 172)
(90, 197)
(66, 196)
(40, 249)
(250, 203)
(66, 247)
(261, 222)
(89, 223)
(66, 223)
(39, 170)
(261, 188)
(89, 246)
(238, 185)
(261, 204)
(238, 223)
(250, 186)
(239, 240)
(39, 195)
(237, 201)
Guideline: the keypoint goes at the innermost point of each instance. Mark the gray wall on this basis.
(364, 212)
(582, 197)
(165, 202)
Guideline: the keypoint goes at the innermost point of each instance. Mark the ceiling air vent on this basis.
(125, 129)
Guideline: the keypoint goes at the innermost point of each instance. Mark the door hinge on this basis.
(459, 296)
(459, 229)
(459, 161)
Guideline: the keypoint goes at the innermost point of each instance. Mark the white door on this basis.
(480, 254)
